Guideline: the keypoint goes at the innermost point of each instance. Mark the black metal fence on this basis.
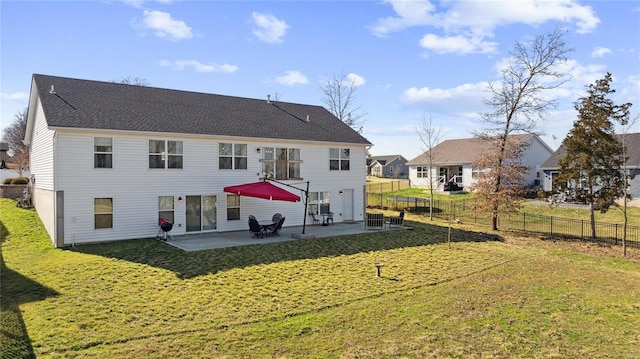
(387, 186)
(462, 210)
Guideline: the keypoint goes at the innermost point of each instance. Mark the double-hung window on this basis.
(281, 163)
(165, 154)
(232, 156)
(233, 207)
(422, 172)
(166, 208)
(102, 213)
(102, 152)
(339, 159)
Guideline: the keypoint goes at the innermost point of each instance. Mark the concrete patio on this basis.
(213, 240)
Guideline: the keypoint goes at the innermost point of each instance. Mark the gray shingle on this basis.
(113, 106)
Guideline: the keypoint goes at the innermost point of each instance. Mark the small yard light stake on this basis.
(378, 266)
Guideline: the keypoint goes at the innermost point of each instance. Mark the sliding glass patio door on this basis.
(201, 213)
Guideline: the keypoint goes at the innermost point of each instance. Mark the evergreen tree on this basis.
(593, 160)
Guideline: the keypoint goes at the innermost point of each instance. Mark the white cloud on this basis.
(139, 4)
(600, 52)
(165, 26)
(199, 66)
(457, 44)
(291, 78)
(466, 24)
(268, 28)
(410, 13)
(426, 94)
(15, 96)
(482, 17)
(355, 79)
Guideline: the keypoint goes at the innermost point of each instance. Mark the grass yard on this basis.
(479, 298)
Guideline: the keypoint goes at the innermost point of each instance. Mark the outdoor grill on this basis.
(165, 228)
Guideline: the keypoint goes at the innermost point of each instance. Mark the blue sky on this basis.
(412, 59)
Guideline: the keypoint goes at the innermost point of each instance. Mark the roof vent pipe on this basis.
(269, 99)
(52, 91)
(307, 118)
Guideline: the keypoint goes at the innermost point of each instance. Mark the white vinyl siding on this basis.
(135, 188)
(42, 150)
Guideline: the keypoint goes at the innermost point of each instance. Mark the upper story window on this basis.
(165, 154)
(102, 213)
(281, 163)
(339, 159)
(232, 156)
(103, 152)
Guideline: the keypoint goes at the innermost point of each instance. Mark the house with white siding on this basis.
(631, 141)
(452, 167)
(109, 160)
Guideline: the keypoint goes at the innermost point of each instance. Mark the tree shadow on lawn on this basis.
(16, 289)
(192, 264)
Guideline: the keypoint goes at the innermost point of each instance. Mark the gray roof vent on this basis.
(53, 90)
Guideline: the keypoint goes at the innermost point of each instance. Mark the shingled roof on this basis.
(457, 152)
(632, 142)
(86, 104)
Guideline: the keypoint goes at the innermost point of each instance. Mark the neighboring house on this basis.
(550, 167)
(453, 160)
(392, 166)
(110, 160)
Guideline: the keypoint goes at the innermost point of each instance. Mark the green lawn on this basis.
(479, 298)
(613, 215)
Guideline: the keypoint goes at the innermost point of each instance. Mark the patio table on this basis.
(266, 225)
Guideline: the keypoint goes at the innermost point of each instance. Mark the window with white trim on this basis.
(281, 163)
(102, 152)
(232, 156)
(165, 154)
(319, 202)
(102, 213)
(233, 207)
(339, 159)
(166, 208)
(422, 172)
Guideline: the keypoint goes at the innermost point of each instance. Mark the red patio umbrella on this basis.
(263, 189)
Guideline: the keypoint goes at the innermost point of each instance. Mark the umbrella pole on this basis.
(306, 199)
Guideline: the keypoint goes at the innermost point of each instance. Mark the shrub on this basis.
(7, 181)
(20, 180)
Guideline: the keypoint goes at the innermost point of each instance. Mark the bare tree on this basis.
(20, 160)
(430, 136)
(340, 97)
(517, 102)
(138, 81)
(624, 131)
(15, 132)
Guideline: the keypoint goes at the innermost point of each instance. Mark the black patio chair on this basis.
(275, 231)
(255, 228)
(330, 217)
(276, 217)
(316, 221)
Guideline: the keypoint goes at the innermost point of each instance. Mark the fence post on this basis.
(616, 242)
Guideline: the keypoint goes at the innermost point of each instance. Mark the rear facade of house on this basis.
(109, 160)
(452, 163)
